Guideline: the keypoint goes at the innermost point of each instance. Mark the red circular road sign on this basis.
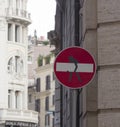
(74, 67)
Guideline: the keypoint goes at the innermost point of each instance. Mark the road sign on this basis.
(74, 67)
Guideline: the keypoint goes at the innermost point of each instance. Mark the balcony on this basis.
(42, 93)
(18, 115)
(32, 90)
(18, 15)
(16, 79)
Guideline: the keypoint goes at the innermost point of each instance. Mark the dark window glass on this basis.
(38, 85)
(37, 105)
(47, 60)
(17, 33)
(9, 98)
(53, 76)
(47, 120)
(47, 103)
(53, 121)
(53, 99)
(9, 32)
(29, 98)
(16, 99)
(48, 82)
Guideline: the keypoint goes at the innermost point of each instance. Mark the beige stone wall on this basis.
(110, 118)
(101, 37)
(108, 44)
(89, 15)
(101, 28)
(90, 44)
(108, 37)
(108, 11)
(109, 88)
(90, 120)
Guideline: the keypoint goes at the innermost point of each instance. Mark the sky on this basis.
(42, 16)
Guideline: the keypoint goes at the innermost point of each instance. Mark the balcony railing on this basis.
(20, 115)
(11, 12)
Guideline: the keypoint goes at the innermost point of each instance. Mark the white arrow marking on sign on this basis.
(64, 67)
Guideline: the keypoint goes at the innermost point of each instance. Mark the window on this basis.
(53, 99)
(17, 61)
(47, 60)
(15, 64)
(47, 120)
(37, 105)
(47, 82)
(40, 61)
(10, 65)
(30, 59)
(47, 103)
(9, 3)
(22, 4)
(53, 121)
(9, 98)
(29, 98)
(38, 85)
(10, 32)
(16, 99)
(53, 76)
(23, 34)
(17, 33)
(17, 4)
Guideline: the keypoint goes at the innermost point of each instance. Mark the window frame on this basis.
(38, 85)
(37, 105)
(47, 103)
(48, 82)
(10, 32)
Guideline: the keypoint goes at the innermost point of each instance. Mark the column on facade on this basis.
(14, 65)
(20, 100)
(21, 34)
(24, 98)
(13, 99)
(14, 4)
(25, 57)
(13, 30)
(9, 99)
(25, 34)
(9, 4)
(20, 5)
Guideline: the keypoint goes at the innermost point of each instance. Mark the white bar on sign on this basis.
(64, 67)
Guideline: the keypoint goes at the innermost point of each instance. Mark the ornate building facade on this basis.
(14, 20)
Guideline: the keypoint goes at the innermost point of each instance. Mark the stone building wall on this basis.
(98, 104)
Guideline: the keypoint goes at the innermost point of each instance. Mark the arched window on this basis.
(15, 65)
(17, 61)
(10, 65)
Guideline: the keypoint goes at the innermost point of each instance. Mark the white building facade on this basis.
(14, 20)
